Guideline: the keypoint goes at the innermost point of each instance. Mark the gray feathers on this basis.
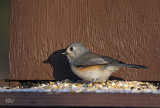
(88, 60)
(81, 57)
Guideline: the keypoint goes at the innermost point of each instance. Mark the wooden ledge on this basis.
(79, 99)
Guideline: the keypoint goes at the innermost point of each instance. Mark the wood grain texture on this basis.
(128, 30)
(132, 100)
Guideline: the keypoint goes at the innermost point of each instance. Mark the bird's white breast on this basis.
(99, 72)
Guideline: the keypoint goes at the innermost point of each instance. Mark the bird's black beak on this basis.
(65, 53)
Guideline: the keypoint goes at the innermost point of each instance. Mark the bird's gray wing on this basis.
(94, 59)
(111, 60)
(91, 59)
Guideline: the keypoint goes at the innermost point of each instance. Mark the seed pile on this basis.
(110, 86)
(116, 86)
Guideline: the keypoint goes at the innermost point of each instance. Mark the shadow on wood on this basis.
(61, 66)
(115, 78)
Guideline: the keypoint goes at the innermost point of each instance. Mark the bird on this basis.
(93, 67)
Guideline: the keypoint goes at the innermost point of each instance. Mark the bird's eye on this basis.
(71, 48)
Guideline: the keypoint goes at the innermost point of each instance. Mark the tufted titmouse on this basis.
(93, 67)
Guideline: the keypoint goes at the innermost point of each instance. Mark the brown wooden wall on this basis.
(128, 30)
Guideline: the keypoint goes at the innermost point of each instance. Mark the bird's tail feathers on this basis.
(133, 66)
(129, 65)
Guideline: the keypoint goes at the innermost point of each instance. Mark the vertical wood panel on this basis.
(127, 30)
